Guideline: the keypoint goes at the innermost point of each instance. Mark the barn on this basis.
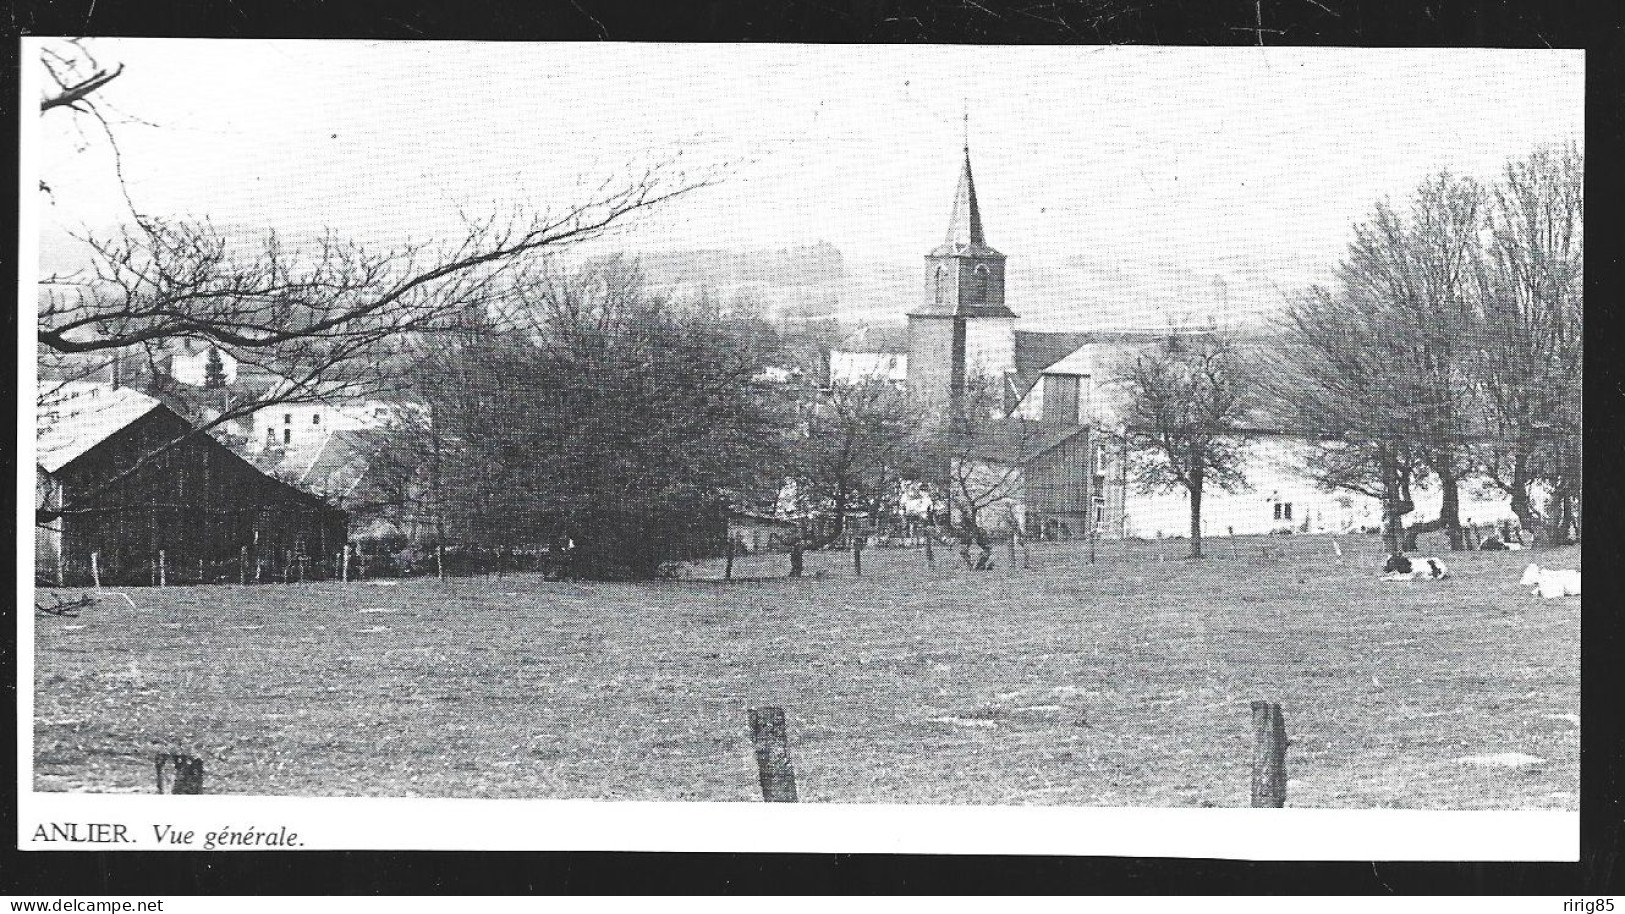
(121, 476)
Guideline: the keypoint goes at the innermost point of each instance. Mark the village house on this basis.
(122, 477)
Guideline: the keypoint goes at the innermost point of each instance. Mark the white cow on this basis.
(1551, 582)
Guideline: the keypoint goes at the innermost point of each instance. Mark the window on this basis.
(287, 418)
(315, 418)
(1100, 511)
(1287, 513)
(942, 285)
(979, 284)
(1277, 510)
(287, 436)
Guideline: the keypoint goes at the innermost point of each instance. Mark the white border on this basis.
(505, 825)
(425, 824)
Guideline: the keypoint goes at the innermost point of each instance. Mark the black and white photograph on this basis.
(966, 440)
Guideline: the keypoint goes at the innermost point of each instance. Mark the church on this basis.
(1045, 458)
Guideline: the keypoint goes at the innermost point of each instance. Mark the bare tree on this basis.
(1414, 279)
(1333, 382)
(1380, 370)
(1185, 401)
(320, 317)
(593, 410)
(1528, 368)
(856, 439)
(976, 462)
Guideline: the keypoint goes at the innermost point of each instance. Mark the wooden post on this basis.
(857, 556)
(95, 570)
(770, 737)
(797, 552)
(344, 567)
(179, 773)
(1233, 553)
(242, 566)
(728, 570)
(161, 569)
(1026, 556)
(1010, 547)
(1094, 534)
(930, 557)
(1269, 755)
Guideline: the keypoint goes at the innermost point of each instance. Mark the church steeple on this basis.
(965, 225)
(964, 274)
(962, 328)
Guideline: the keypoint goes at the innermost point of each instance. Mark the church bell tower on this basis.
(962, 328)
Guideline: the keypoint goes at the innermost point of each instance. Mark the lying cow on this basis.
(1496, 544)
(1551, 582)
(1402, 568)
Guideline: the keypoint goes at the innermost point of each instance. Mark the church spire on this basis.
(965, 226)
(965, 236)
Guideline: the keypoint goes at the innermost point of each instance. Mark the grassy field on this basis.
(1126, 682)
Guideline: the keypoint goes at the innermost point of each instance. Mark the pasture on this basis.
(1125, 682)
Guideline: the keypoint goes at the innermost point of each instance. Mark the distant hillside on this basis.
(794, 283)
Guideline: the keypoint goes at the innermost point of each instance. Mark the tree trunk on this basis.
(1522, 505)
(1559, 516)
(1449, 519)
(1395, 505)
(1197, 480)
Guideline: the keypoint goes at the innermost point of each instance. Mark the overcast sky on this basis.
(1153, 170)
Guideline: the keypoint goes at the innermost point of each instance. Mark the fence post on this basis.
(930, 556)
(770, 737)
(1269, 755)
(95, 570)
(179, 773)
(857, 556)
(728, 570)
(242, 566)
(345, 568)
(1011, 548)
(1094, 535)
(161, 569)
(440, 562)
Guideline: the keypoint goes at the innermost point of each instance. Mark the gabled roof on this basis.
(66, 429)
(1069, 353)
(965, 237)
(342, 460)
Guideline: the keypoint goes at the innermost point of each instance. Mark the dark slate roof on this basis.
(965, 236)
(1012, 441)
